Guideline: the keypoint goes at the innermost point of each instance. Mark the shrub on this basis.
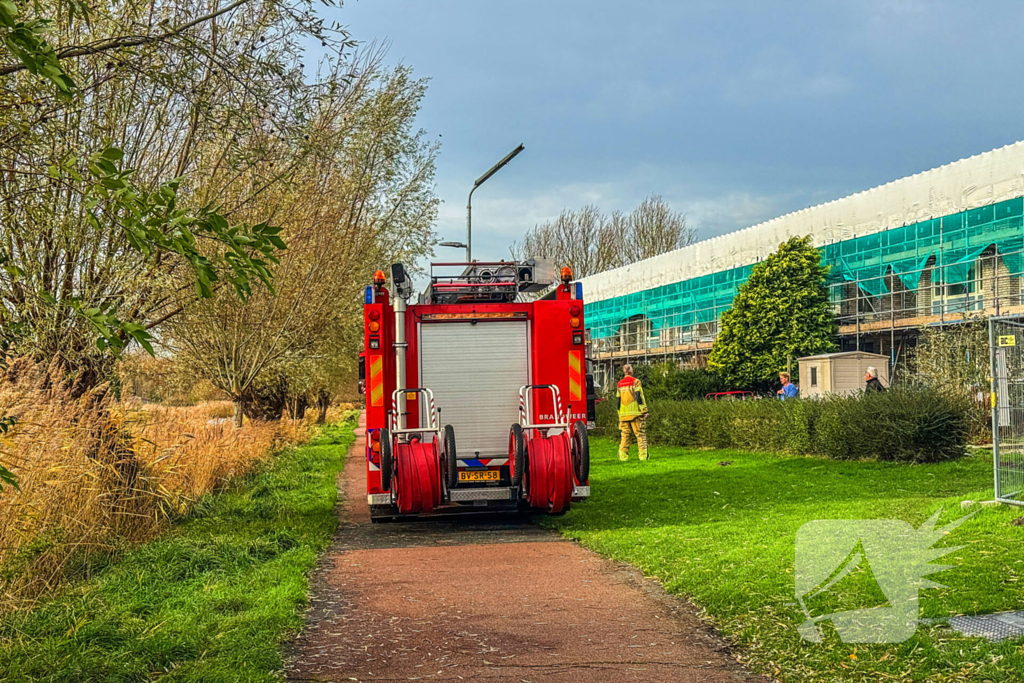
(910, 425)
(668, 382)
(916, 425)
(955, 360)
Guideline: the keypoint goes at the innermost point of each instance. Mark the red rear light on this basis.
(574, 310)
(374, 314)
(375, 436)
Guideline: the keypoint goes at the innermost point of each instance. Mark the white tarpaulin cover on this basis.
(962, 185)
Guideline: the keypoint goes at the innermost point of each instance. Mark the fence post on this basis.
(995, 409)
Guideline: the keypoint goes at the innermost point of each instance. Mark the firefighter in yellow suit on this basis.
(632, 414)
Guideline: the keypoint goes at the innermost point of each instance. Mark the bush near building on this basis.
(669, 382)
(955, 360)
(903, 424)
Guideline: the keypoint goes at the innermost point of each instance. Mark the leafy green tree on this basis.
(781, 310)
(26, 41)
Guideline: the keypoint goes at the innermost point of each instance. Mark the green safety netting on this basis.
(909, 270)
(1014, 261)
(953, 243)
(871, 278)
(957, 266)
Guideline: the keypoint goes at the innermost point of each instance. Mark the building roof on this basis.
(845, 354)
(970, 183)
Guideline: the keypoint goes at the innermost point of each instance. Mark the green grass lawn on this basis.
(211, 600)
(724, 536)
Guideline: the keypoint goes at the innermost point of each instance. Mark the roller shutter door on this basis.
(475, 372)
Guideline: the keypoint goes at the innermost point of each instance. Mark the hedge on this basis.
(911, 425)
(668, 381)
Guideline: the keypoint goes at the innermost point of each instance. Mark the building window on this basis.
(956, 290)
(636, 332)
(814, 376)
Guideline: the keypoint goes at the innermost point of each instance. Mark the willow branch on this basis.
(123, 42)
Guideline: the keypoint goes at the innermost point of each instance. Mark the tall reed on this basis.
(97, 474)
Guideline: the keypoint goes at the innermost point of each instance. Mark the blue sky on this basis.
(734, 112)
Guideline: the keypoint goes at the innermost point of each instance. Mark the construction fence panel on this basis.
(1006, 341)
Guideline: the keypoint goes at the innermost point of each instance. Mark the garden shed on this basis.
(839, 373)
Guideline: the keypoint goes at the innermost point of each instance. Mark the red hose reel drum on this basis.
(549, 473)
(418, 476)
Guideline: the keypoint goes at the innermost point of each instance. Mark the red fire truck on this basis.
(475, 398)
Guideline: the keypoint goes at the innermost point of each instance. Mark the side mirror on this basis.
(362, 374)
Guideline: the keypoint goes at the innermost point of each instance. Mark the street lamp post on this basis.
(469, 203)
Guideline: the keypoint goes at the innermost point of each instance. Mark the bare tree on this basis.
(590, 242)
(654, 228)
(363, 197)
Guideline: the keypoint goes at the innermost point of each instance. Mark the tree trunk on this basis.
(297, 407)
(323, 402)
(238, 413)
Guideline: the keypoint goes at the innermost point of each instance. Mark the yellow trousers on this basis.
(637, 427)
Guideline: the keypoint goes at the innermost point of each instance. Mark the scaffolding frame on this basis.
(936, 272)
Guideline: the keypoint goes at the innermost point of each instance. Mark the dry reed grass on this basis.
(97, 475)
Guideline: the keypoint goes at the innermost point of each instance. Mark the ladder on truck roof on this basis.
(487, 281)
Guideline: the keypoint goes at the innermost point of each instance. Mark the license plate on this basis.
(487, 475)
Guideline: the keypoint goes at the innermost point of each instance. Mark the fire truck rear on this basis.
(475, 398)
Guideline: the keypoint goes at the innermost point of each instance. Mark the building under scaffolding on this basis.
(935, 248)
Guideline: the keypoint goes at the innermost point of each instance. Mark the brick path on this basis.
(490, 597)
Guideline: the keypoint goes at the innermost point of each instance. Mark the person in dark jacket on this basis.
(873, 384)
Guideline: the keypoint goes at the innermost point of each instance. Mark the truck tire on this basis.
(451, 462)
(516, 454)
(387, 459)
(580, 452)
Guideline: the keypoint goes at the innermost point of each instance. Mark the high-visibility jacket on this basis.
(631, 398)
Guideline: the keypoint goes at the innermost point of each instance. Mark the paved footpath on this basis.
(489, 597)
